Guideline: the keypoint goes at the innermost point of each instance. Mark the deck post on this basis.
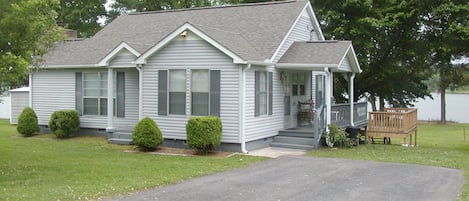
(351, 95)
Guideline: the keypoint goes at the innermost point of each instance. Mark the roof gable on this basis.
(182, 32)
(252, 32)
(113, 53)
(338, 55)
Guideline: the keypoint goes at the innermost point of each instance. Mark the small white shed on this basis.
(19, 100)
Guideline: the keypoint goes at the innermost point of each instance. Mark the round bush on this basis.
(146, 135)
(204, 133)
(27, 122)
(64, 123)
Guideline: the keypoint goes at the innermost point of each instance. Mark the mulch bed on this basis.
(169, 151)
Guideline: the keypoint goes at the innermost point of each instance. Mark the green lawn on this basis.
(84, 168)
(438, 145)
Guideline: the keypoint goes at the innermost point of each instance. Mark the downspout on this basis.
(351, 96)
(30, 83)
(140, 90)
(242, 109)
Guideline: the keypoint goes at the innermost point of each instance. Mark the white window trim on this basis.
(84, 96)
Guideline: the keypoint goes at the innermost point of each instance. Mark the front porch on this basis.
(308, 136)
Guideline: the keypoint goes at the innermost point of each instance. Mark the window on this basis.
(205, 92)
(263, 93)
(200, 88)
(298, 85)
(177, 92)
(95, 93)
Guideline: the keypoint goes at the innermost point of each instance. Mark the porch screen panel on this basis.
(215, 92)
(120, 94)
(162, 92)
(200, 92)
(79, 92)
(177, 92)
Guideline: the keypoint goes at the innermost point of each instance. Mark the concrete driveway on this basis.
(311, 178)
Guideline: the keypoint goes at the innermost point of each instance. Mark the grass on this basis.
(438, 145)
(87, 168)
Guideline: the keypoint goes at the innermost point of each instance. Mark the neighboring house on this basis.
(19, 100)
(249, 64)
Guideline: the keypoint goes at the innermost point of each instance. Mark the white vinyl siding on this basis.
(123, 58)
(54, 90)
(300, 32)
(259, 127)
(190, 55)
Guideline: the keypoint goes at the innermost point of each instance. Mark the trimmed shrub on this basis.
(204, 133)
(146, 135)
(27, 122)
(64, 123)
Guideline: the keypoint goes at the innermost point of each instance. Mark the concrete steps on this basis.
(295, 139)
(120, 137)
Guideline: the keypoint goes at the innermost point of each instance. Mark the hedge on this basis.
(64, 123)
(27, 122)
(146, 135)
(204, 133)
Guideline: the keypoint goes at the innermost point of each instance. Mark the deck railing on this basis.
(340, 114)
(393, 122)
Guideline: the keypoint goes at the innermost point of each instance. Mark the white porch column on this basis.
(140, 91)
(351, 95)
(110, 99)
(328, 95)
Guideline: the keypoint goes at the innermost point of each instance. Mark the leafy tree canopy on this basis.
(81, 15)
(27, 28)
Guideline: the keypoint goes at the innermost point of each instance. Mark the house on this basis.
(257, 66)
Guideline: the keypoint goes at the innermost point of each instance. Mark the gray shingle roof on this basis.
(316, 52)
(251, 31)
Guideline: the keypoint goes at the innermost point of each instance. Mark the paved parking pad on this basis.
(311, 178)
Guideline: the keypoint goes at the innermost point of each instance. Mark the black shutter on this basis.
(271, 90)
(162, 92)
(257, 90)
(79, 92)
(120, 94)
(215, 92)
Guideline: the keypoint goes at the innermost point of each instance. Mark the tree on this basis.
(81, 16)
(446, 28)
(386, 38)
(27, 28)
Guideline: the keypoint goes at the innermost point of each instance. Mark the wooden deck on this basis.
(394, 123)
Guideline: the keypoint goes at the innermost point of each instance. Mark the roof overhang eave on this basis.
(305, 66)
(55, 66)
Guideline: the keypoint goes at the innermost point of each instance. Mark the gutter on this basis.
(242, 109)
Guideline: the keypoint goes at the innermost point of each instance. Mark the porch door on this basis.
(298, 92)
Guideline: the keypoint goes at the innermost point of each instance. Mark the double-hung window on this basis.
(204, 92)
(263, 93)
(95, 93)
(177, 92)
(200, 88)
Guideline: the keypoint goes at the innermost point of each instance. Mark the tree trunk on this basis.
(372, 100)
(381, 104)
(443, 106)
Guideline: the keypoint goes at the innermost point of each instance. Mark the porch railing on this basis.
(392, 122)
(340, 114)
